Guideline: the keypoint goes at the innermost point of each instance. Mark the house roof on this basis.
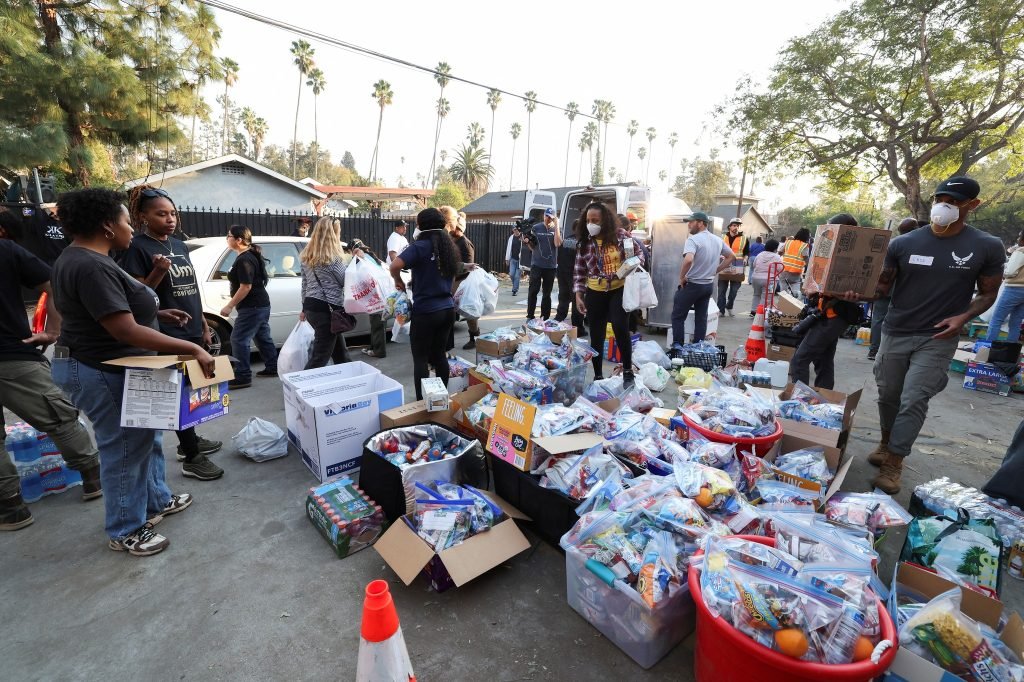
(513, 201)
(728, 211)
(219, 161)
(375, 193)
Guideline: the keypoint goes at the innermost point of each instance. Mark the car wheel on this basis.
(220, 342)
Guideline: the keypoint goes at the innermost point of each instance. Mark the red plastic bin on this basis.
(724, 653)
(758, 446)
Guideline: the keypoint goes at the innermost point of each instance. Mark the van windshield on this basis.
(578, 202)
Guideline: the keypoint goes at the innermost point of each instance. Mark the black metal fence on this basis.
(489, 239)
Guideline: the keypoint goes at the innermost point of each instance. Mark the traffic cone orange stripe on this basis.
(755, 339)
(382, 653)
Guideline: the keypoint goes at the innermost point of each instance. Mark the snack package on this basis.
(752, 553)
(851, 583)
(576, 475)
(600, 497)
(598, 419)
(484, 514)
(659, 570)
(709, 453)
(604, 389)
(808, 463)
(639, 398)
(556, 420)
(643, 492)
(709, 488)
(778, 496)
(815, 545)
(443, 523)
(752, 470)
(875, 511)
(685, 518)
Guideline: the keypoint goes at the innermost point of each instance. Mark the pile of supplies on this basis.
(808, 406)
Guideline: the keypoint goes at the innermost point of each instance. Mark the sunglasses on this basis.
(151, 193)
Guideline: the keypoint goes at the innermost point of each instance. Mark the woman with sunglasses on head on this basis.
(161, 262)
(248, 277)
(603, 246)
(323, 291)
(107, 314)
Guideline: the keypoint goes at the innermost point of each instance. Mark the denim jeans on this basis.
(252, 323)
(132, 467)
(1009, 308)
(514, 272)
(727, 294)
(694, 296)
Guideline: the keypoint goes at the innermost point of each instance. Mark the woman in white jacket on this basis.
(1010, 305)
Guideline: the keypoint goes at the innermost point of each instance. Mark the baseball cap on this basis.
(631, 216)
(549, 212)
(735, 221)
(959, 187)
(699, 215)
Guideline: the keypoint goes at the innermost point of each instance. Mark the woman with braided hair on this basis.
(434, 262)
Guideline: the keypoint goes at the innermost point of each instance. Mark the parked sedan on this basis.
(213, 259)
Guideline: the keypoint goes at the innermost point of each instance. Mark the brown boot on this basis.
(14, 513)
(879, 454)
(888, 478)
(91, 488)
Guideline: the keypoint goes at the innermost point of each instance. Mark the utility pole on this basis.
(743, 182)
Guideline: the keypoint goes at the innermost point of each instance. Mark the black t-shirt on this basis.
(18, 268)
(178, 288)
(249, 268)
(431, 291)
(87, 287)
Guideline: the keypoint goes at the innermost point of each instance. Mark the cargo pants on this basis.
(27, 390)
(909, 371)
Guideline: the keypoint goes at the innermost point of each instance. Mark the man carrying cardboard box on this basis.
(931, 274)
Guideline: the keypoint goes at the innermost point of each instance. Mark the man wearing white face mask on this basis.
(932, 273)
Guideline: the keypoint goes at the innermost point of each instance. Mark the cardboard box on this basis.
(453, 418)
(817, 434)
(986, 377)
(959, 362)
(777, 352)
(344, 516)
(293, 381)
(662, 415)
(908, 666)
(408, 554)
(510, 437)
(788, 304)
(331, 421)
(846, 258)
(482, 358)
(556, 336)
(170, 392)
(435, 394)
(498, 349)
(833, 456)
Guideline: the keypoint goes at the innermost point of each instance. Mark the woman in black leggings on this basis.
(603, 247)
(434, 262)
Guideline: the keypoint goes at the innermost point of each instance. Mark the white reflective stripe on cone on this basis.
(386, 661)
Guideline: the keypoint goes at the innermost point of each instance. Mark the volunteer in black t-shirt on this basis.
(248, 277)
(161, 262)
(107, 314)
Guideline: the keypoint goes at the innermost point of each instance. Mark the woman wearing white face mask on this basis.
(603, 247)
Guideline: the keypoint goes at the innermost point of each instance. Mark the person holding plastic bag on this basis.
(598, 281)
(323, 292)
(467, 253)
(434, 262)
(367, 285)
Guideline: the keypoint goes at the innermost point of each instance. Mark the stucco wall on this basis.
(211, 187)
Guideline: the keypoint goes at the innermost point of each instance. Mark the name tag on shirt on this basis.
(921, 260)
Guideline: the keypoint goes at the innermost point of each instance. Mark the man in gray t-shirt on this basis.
(704, 256)
(932, 273)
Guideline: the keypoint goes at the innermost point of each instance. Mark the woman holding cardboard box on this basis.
(107, 314)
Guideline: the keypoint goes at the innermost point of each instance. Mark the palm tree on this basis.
(592, 136)
(663, 175)
(441, 75)
(303, 54)
(383, 94)
(516, 131)
(199, 106)
(631, 129)
(673, 138)
(493, 100)
(642, 153)
(597, 109)
(317, 82)
(471, 167)
(248, 121)
(651, 134)
(258, 134)
(475, 134)
(443, 109)
(531, 105)
(608, 115)
(230, 67)
(571, 109)
(582, 144)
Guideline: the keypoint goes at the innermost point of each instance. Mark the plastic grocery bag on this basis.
(650, 351)
(477, 295)
(400, 332)
(260, 440)
(367, 287)
(655, 377)
(295, 352)
(638, 292)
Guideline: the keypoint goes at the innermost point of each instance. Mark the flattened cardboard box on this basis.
(408, 554)
(846, 258)
(817, 434)
(170, 392)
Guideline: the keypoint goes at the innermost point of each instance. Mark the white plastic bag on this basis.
(367, 286)
(655, 377)
(400, 332)
(638, 292)
(650, 351)
(295, 352)
(260, 440)
(477, 295)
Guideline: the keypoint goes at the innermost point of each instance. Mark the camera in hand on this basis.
(525, 228)
(809, 317)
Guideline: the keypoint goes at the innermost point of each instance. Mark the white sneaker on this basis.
(176, 504)
(143, 542)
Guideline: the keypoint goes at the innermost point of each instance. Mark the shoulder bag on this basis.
(341, 321)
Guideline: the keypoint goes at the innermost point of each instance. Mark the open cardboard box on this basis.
(498, 349)
(834, 457)
(908, 666)
(787, 304)
(454, 417)
(408, 554)
(817, 434)
(170, 392)
(511, 440)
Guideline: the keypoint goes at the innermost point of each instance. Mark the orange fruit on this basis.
(704, 498)
(863, 649)
(791, 642)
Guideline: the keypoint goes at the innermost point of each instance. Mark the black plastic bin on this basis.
(552, 512)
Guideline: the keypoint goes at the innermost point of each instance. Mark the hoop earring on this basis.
(145, 224)
(108, 234)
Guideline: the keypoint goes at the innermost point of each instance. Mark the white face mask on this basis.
(944, 214)
(593, 229)
(416, 234)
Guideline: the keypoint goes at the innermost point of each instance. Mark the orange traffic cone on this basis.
(755, 340)
(382, 653)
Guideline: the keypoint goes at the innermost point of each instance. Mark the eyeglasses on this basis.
(150, 193)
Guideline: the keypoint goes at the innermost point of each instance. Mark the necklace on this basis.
(161, 242)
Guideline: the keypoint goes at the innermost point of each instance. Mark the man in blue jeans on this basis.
(704, 256)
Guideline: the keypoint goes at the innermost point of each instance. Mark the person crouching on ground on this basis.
(107, 314)
(602, 247)
(323, 290)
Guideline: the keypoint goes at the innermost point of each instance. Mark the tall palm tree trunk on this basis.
(376, 147)
(490, 147)
(224, 133)
(295, 131)
(316, 142)
(568, 146)
(629, 153)
(512, 169)
(579, 170)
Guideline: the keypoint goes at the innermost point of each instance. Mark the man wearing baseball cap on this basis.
(704, 256)
(931, 273)
(544, 266)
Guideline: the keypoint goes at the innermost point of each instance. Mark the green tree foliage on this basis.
(384, 95)
(279, 159)
(471, 168)
(597, 177)
(449, 194)
(701, 179)
(91, 76)
(442, 74)
(302, 53)
(908, 91)
(348, 161)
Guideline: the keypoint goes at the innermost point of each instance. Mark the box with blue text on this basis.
(171, 393)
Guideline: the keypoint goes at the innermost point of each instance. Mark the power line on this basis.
(321, 37)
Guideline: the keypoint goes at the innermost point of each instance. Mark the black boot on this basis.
(470, 344)
(91, 487)
(14, 513)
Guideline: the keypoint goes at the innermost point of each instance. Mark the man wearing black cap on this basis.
(931, 273)
(704, 256)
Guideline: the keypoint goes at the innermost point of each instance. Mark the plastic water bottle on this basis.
(31, 482)
(21, 443)
(51, 472)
